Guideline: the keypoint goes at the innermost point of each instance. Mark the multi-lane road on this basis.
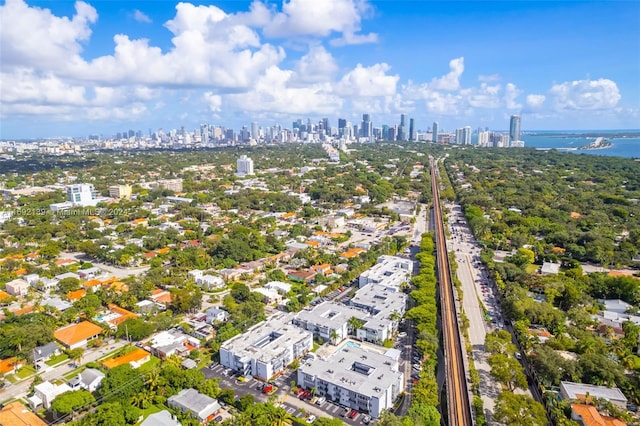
(458, 400)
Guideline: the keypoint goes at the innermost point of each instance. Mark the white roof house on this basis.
(578, 391)
(200, 406)
(17, 287)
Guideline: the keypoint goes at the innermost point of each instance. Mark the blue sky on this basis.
(74, 68)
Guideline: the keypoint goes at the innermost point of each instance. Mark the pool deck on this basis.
(326, 350)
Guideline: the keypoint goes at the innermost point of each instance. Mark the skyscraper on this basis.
(514, 128)
(435, 132)
(255, 131)
(367, 127)
(412, 130)
(402, 131)
(342, 124)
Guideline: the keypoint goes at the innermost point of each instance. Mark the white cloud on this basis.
(489, 78)
(535, 102)
(511, 92)
(272, 93)
(368, 81)
(34, 37)
(316, 66)
(141, 17)
(585, 94)
(213, 101)
(321, 19)
(451, 80)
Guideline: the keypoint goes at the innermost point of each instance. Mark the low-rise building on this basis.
(579, 392)
(135, 359)
(120, 191)
(588, 415)
(16, 414)
(216, 314)
(17, 287)
(44, 352)
(329, 320)
(161, 418)
(266, 348)
(279, 286)
(364, 380)
(386, 307)
(172, 342)
(77, 335)
(390, 271)
(45, 393)
(89, 379)
(199, 406)
(268, 296)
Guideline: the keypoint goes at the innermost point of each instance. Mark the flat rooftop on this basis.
(267, 340)
(357, 369)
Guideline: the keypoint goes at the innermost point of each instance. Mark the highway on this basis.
(458, 401)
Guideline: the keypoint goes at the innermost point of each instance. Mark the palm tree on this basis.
(395, 316)
(334, 336)
(354, 325)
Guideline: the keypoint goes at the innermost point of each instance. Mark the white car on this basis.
(311, 419)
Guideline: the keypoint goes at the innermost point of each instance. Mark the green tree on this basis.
(121, 383)
(66, 285)
(135, 329)
(519, 410)
(507, 371)
(424, 415)
(72, 401)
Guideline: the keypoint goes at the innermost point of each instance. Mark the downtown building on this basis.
(244, 166)
(266, 348)
(367, 381)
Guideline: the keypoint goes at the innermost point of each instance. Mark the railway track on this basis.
(458, 401)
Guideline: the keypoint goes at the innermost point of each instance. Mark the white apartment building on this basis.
(266, 348)
(386, 307)
(367, 381)
(329, 320)
(82, 194)
(390, 271)
(245, 166)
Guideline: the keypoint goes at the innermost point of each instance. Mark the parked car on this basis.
(218, 419)
(353, 413)
(311, 419)
(366, 419)
(345, 412)
(321, 400)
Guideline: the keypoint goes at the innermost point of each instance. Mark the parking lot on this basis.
(290, 402)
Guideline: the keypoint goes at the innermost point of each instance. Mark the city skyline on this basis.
(96, 67)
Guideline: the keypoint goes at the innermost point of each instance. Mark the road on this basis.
(19, 390)
(113, 270)
(458, 396)
(469, 275)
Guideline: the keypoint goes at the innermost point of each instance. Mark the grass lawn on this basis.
(57, 359)
(25, 372)
(315, 347)
(149, 365)
(11, 378)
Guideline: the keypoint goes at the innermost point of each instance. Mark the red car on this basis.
(353, 414)
(299, 391)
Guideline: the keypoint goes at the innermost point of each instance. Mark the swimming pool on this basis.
(349, 344)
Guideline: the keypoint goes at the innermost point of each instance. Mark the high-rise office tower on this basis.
(255, 131)
(402, 130)
(435, 132)
(412, 130)
(326, 126)
(367, 127)
(514, 128)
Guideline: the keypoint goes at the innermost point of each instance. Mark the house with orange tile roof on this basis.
(77, 335)
(19, 272)
(9, 365)
(16, 414)
(23, 311)
(588, 415)
(352, 252)
(76, 295)
(4, 297)
(135, 359)
(324, 269)
(92, 284)
(118, 316)
(142, 221)
(66, 262)
(161, 296)
(302, 276)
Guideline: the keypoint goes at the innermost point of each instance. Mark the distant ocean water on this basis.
(624, 143)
